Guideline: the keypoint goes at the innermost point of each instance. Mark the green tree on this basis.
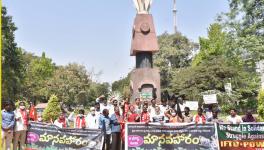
(261, 105)
(53, 109)
(70, 83)
(175, 52)
(214, 45)
(244, 23)
(122, 86)
(38, 71)
(12, 69)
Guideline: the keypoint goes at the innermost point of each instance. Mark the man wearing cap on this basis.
(8, 123)
(92, 119)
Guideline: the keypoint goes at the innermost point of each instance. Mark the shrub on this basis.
(261, 105)
(53, 109)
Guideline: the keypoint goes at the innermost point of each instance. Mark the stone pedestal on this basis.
(145, 81)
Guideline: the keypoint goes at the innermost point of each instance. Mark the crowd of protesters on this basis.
(110, 116)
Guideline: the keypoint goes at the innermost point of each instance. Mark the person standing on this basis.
(92, 119)
(249, 117)
(79, 121)
(132, 116)
(114, 104)
(116, 120)
(233, 118)
(173, 116)
(163, 108)
(125, 107)
(104, 124)
(97, 108)
(158, 116)
(152, 108)
(199, 118)
(138, 106)
(214, 117)
(105, 105)
(8, 123)
(62, 121)
(21, 126)
(145, 117)
(32, 112)
(187, 117)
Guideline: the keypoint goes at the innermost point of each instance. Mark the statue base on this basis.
(145, 84)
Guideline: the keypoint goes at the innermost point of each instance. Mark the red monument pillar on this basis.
(145, 80)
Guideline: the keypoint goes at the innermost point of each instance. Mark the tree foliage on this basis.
(244, 24)
(214, 45)
(38, 71)
(122, 86)
(53, 109)
(175, 52)
(69, 83)
(12, 69)
(261, 105)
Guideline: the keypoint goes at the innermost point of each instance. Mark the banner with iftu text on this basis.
(43, 136)
(248, 136)
(171, 137)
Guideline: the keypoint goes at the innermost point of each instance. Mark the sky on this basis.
(97, 33)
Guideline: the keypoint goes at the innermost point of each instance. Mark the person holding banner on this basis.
(199, 118)
(132, 116)
(21, 116)
(62, 121)
(233, 118)
(249, 117)
(116, 120)
(138, 106)
(187, 117)
(79, 121)
(8, 123)
(163, 108)
(92, 119)
(104, 124)
(145, 117)
(214, 117)
(152, 108)
(173, 116)
(158, 116)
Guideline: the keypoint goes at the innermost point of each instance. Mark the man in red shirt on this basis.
(145, 117)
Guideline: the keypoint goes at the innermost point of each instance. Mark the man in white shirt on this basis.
(234, 118)
(21, 116)
(158, 116)
(92, 119)
(105, 105)
(138, 106)
(152, 108)
(163, 108)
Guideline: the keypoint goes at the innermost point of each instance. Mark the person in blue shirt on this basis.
(105, 125)
(116, 119)
(8, 123)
